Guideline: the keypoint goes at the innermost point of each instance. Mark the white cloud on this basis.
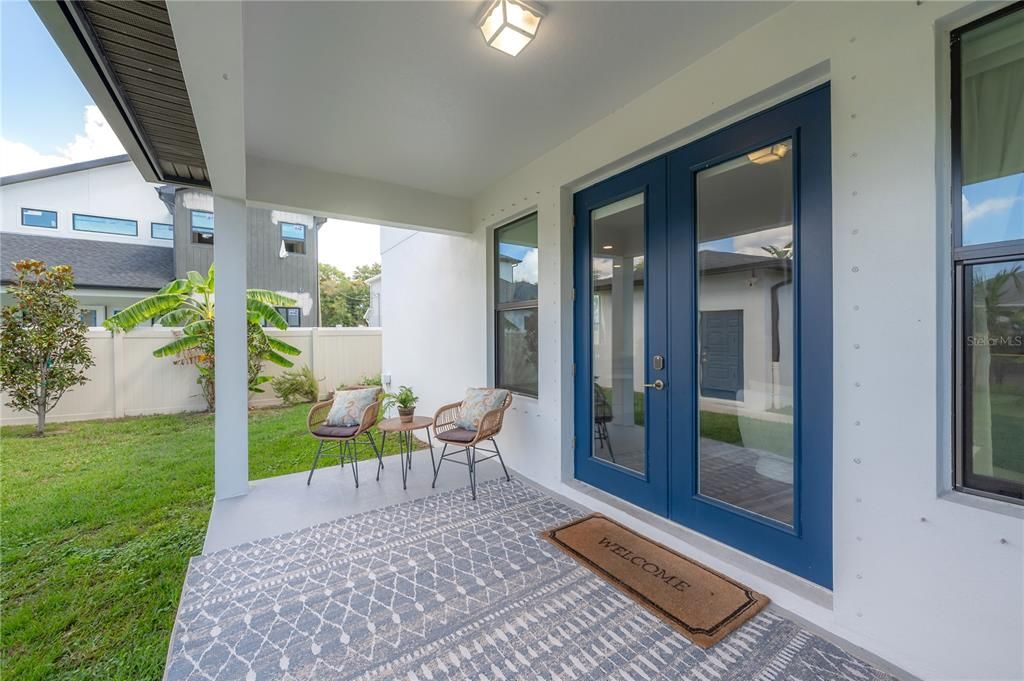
(999, 204)
(96, 140)
(527, 269)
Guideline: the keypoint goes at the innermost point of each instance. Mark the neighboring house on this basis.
(125, 237)
(373, 312)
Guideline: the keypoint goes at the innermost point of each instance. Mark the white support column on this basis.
(231, 457)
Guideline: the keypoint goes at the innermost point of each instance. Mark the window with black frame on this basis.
(988, 252)
(202, 227)
(515, 306)
(292, 315)
(293, 236)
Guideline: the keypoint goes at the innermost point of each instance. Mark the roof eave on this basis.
(65, 23)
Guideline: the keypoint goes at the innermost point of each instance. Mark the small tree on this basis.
(189, 303)
(43, 346)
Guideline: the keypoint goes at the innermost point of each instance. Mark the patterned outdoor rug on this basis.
(447, 588)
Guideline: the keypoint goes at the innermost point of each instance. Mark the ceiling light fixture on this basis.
(607, 247)
(510, 25)
(775, 152)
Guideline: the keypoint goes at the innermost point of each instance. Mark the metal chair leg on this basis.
(437, 469)
(350, 447)
(471, 462)
(377, 452)
(319, 449)
(500, 460)
(430, 443)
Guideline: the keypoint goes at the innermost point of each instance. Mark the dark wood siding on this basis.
(265, 269)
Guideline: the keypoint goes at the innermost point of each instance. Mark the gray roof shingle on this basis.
(97, 264)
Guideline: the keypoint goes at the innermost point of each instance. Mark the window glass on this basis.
(31, 217)
(202, 226)
(293, 231)
(515, 296)
(162, 230)
(517, 260)
(292, 315)
(293, 237)
(995, 377)
(745, 339)
(517, 350)
(991, 136)
(95, 223)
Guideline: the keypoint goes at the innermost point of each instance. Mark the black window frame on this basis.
(963, 259)
(75, 228)
(193, 231)
(298, 245)
(512, 306)
(152, 231)
(56, 218)
(283, 311)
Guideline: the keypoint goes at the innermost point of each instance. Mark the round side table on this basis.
(404, 430)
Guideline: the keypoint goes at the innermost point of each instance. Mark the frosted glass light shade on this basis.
(510, 25)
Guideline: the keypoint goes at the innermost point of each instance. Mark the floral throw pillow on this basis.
(478, 402)
(349, 406)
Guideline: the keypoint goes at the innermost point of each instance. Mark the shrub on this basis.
(370, 380)
(296, 386)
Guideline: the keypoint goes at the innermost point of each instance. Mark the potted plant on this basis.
(405, 399)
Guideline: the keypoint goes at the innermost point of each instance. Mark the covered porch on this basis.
(415, 123)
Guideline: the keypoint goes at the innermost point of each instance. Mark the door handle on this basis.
(657, 385)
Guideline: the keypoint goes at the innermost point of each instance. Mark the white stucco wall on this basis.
(114, 191)
(432, 286)
(926, 578)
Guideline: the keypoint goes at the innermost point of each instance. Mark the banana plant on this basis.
(189, 303)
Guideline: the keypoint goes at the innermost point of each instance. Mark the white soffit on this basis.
(408, 93)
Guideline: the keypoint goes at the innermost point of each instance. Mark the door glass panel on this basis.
(617, 295)
(746, 331)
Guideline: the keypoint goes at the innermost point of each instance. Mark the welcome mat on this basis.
(703, 605)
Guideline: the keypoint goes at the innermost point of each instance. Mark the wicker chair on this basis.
(602, 417)
(344, 436)
(447, 432)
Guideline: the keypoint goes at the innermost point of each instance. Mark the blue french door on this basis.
(704, 352)
(621, 319)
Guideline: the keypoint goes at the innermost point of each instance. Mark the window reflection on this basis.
(746, 331)
(618, 295)
(995, 347)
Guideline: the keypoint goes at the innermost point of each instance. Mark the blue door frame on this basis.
(649, 489)
(669, 485)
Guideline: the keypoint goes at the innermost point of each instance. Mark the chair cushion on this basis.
(335, 431)
(349, 406)
(456, 435)
(478, 402)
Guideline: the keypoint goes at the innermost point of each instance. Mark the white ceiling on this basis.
(409, 93)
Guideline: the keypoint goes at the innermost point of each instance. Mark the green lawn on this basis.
(97, 522)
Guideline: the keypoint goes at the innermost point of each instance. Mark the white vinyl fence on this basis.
(129, 381)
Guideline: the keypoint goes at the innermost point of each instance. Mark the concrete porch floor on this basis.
(285, 503)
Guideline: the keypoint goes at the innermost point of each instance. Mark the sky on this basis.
(47, 119)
